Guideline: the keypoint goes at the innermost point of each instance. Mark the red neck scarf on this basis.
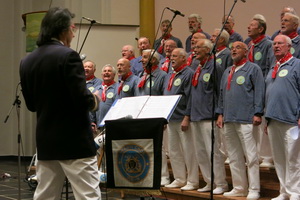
(231, 32)
(167, 36)
(131, 58)
(165, 66)
(198, 71)
(162, 43)
(232, 70)
(175, 72)
(123, 79)
(292, 35)
(251, 47)
(90, 78)
(221, 48)
(285, 58)
(105, 87)
(190, 58)
(144, 78)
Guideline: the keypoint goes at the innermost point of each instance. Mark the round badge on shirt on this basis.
(257, 56)
(125, 88)
(206, 77)
(240, 80)
(177, 82)
(148, 84)
(219, 60)
(110, 95)
(292, 50)
(283, 73)
(91, 89)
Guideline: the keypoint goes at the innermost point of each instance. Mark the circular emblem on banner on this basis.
(292, 50)
(206, 77)
(240, 80)
(103, 177)
(125, 88)
(257, 56)
(283, 73)
(91, 88)
(177, 82)
(148, 84)
(133, 162)
(219, 60)
(110, 95)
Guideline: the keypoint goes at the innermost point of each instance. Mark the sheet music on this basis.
(159, 107)
(143, 107)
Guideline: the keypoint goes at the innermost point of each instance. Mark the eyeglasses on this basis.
(73, 28)
(237, 48)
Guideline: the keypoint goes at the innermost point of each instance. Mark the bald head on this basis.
(123, 66)
(287, 9)
(195, 38)
(127, 51)
(239, 51)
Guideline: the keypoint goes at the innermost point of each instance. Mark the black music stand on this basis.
(133, 166)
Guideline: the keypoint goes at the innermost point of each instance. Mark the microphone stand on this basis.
(149, 66)
(91, 24)
(17, 103)
(213, 52)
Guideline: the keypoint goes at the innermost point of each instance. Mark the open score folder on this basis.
(142, 107)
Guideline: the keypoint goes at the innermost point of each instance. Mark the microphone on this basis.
(82, 56)
(175, 11)
(91, 20)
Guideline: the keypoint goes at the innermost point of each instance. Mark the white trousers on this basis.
(240, 145)
(201, 133)
(81, 173)
(165, 175)
(262, 142)
(182, 155)
(286, 156)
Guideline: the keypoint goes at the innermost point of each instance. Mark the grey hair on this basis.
(294, 17)
(224, 34)
(155, 54)
(181, 52)
(198, 17)
(112, 67)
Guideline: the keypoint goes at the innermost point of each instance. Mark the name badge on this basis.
(240, 80)
(110, 95)
(148, 84)
(257, 56)
(292, 50)
(206, 77)
(91, 88)
(125, 88)
(177, 82)
(283, 73)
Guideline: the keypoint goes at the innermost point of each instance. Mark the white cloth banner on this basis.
(133, 162)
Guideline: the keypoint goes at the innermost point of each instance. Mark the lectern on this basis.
(133, 153)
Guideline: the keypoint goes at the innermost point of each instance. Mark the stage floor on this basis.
(9, 183)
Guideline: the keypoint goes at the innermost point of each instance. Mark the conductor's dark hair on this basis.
(56, 21)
